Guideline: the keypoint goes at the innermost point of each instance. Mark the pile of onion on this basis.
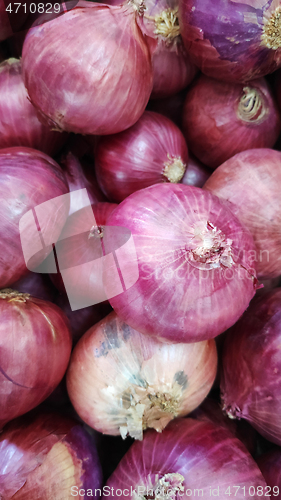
(189, 459)
(107, 74)
(194, 263)
(45, 455)
(250, 181)
(221, 119)
(151, 151)
(35, 350)
(232, 40)
(251, 367)
(123, 382)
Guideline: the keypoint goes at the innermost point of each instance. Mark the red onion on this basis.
(250, 380)
(28, 178)
(19, 125)
(251, 182)
(194, 260)
(122, 382)
(190, 459)
(35, 350)
(221, 119)
(47, 456)
(270, 465)
(150, 152)
(106, 100)
(232, 40)
(196, 173)
(37, 285)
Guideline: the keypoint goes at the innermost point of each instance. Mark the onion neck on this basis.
(167, 25)
(96, 232)
(271, 33)
(14, 295)
(211, 248)
(174, 169)
(166, 487)
(251, 107)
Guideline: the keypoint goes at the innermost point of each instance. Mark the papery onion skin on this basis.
(230, 40)
(122, 382)
(27, 179)
(251, 365)
(44, 456)
(36, 346)
(222, 119)
(250, 182)
(19, 125)
(196, 173)
(104, 101)
(151, 151)
(182, 295)
(270, 466)
(194, 455)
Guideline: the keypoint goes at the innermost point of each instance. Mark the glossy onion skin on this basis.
(224, 37)
(177, 298)
(70, 93)
(35, 350)
(270, 465)
(217, 127)
(251, 365)
(250, 181)
(114, 370)
(205, 455)
(27, 179)
(44, 455)
(136, 158)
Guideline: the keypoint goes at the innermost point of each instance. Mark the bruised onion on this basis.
(232, 40)
(122, 382)
(194, 260)
(47, 456)
(107, 76)
(270, 465)
(190, 459)
(250, 181)
(251, 367)
(35, 350)
(151, 151)
(19, 125)
(221, 119)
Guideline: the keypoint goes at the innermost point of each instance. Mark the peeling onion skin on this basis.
(232, 40)
(250, 182)
(35, 350)
(199, 454)
(181, 295)
(115, 370)
(251, 364)
(222, 119)
(44, 455)
(270, 465)
(106, 100)
(151, 151)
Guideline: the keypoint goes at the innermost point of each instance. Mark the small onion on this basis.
(19, 125)
(190, 459)
(196, 173)
(151, 151)
(107, 75)
(232, 40)
(47, 456)
(122, 382)
(221, 119)
(35, 349)
(251, 367)
(270, 465)
(251, 182)
(194, 261)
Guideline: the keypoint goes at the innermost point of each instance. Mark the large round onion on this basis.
(251, 182)
(152, 151)
(89, 71)
(270, 465)
(221, 119)
(35, 349)
(19, 125)
(251, 367)
(194, 261)
(190, 459)
(232, 40)
(122, 382)
(47, 456)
